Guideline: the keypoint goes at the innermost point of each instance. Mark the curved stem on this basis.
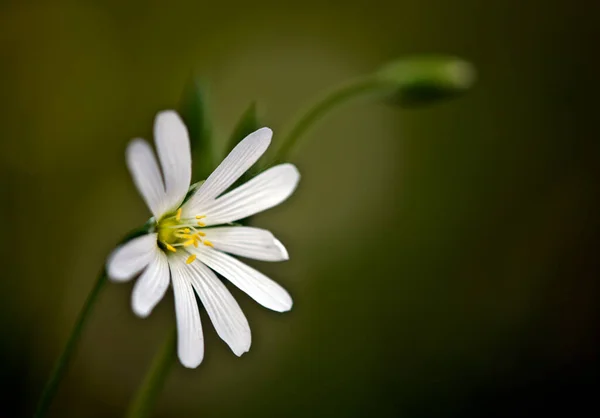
(60, 367)
(63, 361)
(331, 100)
(148, 392)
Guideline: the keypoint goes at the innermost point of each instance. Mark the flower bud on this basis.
(422, 80)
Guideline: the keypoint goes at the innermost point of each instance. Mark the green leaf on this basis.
(194, 112)
(426, 79)
(247, 124)
(193, 188)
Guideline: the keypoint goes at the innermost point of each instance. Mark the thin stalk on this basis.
(153, 382)
(339, 95)
(63, 361)
(60, 367)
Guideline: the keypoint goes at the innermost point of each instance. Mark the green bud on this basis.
(194, 112)
(423, 80)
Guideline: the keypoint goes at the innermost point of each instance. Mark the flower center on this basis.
(175, 233)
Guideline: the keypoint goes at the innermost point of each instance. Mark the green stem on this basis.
(148, 392)
(331, 100)
(63, 361)
(60, 367)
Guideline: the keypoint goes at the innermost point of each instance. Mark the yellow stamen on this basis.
(201, 223)
(170, 247)
(178, 215)
(186, 231)
(195, 243)
(188, 243)
(188, 236)
(200, 216)
(202, 234)
(190, 259)
(208, 243)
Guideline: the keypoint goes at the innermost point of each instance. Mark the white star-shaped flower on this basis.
(186, 245)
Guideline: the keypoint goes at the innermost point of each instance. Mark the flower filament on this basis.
(176, 233)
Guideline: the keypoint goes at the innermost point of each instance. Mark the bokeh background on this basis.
(443, 260)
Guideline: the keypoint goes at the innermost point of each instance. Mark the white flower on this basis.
(183, 248)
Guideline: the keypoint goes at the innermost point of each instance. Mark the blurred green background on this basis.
(443, 260)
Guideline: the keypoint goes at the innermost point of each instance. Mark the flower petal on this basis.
(173, 147)
(146, 175)
(151, 286)
(224, 312)
(258, 286)
(190, 341)
(264, 191)
(246, 241)
(130, 258)
(239, 160)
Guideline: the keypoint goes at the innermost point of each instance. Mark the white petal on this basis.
(239, 160)
(190, 341)
(245, 241)
(151, 286)
(146, 175)
(130, 258)
(258, 286)
(264, 191)
(224, 312)
(282, 250)
(173, 147)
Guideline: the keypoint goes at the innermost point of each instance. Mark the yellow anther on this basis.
(170, 247)
(190, 259)
(208, 243)
(202, 234)
(187, 236)
(188, 243)
(201, 223)
(200, 216)
(186, 231)
(195, 243)
(178, 215)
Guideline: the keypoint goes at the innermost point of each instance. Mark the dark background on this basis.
(443, 260)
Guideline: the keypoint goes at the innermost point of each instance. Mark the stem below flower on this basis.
(60, 367)
(148, 392)
(339, 95)
(63, 361)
